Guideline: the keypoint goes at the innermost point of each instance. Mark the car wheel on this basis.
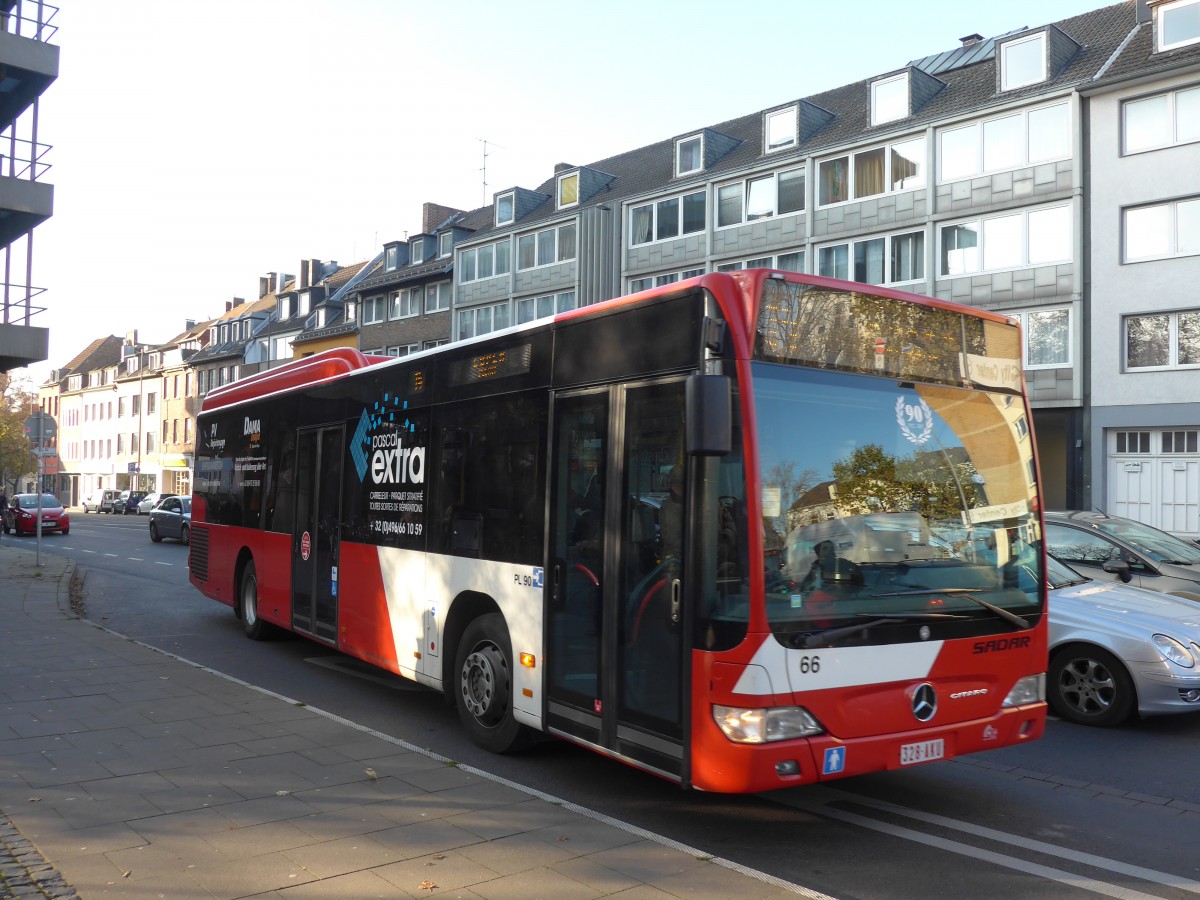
(1089, 686)
(256, 629)
(185, 535)
(154, 535)
(483, 686)
(66, 530)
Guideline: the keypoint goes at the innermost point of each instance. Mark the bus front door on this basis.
(315, 537)
(615, 628)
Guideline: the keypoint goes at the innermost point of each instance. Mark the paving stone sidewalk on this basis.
(126, 772)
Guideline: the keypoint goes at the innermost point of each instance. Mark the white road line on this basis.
(164, 564)
(825, 796)
(110, 554)
(134, 559)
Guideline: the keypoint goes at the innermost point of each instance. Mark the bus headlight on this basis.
(1174, 651)
(758, 726)
(1030, 689)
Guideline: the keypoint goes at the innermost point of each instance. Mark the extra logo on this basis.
(378, 446)
(924, 702)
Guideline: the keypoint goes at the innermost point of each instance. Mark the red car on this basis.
(21, 514)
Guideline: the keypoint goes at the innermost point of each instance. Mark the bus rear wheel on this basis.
(256, 629)
(483, 686)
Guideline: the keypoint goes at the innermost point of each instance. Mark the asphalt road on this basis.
(1114, 812)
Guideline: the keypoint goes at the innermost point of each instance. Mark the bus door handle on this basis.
(676, 594)
(556, 585)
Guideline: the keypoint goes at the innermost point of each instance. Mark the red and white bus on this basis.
(746, 531)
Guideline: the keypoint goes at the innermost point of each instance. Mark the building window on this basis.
(1047, 337)
(374, 310)
(1023, 62)
(1178, 24)
(187, 431)
(405, 303)
(150, 441)
(151, 402)
(780, 128)
(437, 297)
(1008, 241)
(1007, 142)
(1163, 340)
(1162, 231)
(505, 209)
(568, 190)
(760, 198)
(482, 320)
(867, 173)
(416, 252)
(403, 349)
(889, 99)
(666, 219)
(546, 247)
(429, 345)
(1164, 120)
(391, 259)
(120, 445)
(1179, 441)
(1133, 442)
(890, 259)
(445, 243)
(689, 155)
(531, 308)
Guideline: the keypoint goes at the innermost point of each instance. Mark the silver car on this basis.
(1116, 649)
(1113, 548)
(172, 519)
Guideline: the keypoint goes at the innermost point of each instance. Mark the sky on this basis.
(198, 146)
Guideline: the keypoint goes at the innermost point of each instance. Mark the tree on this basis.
(16, 454)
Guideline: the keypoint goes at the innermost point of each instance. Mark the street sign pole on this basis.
(38, 561)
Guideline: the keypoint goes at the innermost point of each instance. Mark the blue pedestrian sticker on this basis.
(835, 761)
(539, 576)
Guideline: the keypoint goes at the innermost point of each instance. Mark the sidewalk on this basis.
(126, 772)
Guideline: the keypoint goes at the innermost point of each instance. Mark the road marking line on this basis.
(164, 564)
(824, 796)
(110, 554)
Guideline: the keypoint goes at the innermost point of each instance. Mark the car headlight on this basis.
(758, 726)
(1174, 651)
(1030, 689)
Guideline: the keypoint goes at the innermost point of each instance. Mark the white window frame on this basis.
(563, 179)
(978, 127)
(1023, 263)
(374, 310)
(887, 255)
(851, 155)
(471, 314)
(1172, 207)
(509, 199)
(544, 306)
(536, 237)
(876, 118)
(445, 244)
(654, 206)
(1172, 338)
(679, 145)
(440, 304)
(745, 185)
(404, 303)
(1173, 116)
(416, 252)
(1005, 83)
(1025, 315)
(789, 115)
(403, 349)
(1161, 13)
(391, 259)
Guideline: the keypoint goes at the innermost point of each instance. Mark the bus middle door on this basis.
(316, 534)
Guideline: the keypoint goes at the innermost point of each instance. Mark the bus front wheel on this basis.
(256, 629)
(483, 686)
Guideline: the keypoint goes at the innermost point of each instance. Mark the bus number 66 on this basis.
(810, 665)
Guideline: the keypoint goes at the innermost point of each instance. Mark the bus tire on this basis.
(483, 686)
(256, 629)
(1089, 686)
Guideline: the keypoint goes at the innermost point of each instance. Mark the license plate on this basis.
(922, 752)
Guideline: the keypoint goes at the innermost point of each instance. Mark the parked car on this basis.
(1113, 548)
(172, 519)
(100, 501)
(150, 501)
(127, 502)
(21, 515)
(1117, 649)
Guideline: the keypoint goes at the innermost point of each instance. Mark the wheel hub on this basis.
(484, 682)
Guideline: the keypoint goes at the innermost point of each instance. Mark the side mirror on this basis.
(1120, 568)
(709, 415)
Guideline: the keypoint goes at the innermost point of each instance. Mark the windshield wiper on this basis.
(828, 636)
(967, 593)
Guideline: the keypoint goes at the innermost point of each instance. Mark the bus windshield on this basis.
(894, 500)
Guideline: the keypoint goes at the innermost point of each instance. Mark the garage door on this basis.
(1154, 477)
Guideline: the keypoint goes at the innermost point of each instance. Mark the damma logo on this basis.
(378, 448)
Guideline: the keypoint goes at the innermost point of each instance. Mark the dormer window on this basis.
(1023, 62)
(568, 190)
(505, 209)
(285, 308)
(391, 259)
(889, 99)
(781, 129)
(1178, 24)
(689, 155)
(416, 252)
(445, 243)
(305, 300)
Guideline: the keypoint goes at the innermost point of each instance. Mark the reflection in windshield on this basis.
(884, 498)
(1158, 545)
